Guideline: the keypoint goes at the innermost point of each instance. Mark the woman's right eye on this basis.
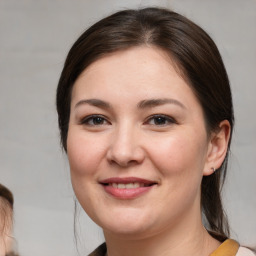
(94, 120)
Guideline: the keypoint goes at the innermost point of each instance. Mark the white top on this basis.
(242, 251)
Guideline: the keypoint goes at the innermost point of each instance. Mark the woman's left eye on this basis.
(160, 120)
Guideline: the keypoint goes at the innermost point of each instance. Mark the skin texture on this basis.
(128, 139)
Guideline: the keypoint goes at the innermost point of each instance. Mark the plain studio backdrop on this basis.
(35, 37)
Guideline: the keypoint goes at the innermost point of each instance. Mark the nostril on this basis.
(123, 162)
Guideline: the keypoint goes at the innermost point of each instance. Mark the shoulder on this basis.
(243, 251)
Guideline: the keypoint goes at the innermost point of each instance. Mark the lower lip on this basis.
(125, 193)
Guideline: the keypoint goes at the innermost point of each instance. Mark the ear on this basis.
(217, 148)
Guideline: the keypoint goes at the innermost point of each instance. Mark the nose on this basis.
(125, 149)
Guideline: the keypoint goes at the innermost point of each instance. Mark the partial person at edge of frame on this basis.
(6, 222)
(146, 118)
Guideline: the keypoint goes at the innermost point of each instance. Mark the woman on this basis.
(146, 118)
(6, 217)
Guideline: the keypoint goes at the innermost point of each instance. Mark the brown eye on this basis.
(160, 120)
(94, 120)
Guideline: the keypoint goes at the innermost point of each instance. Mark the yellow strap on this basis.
(227, 248)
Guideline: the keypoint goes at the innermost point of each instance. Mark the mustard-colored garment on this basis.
(227, 248)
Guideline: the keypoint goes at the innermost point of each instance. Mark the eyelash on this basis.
(86, 120)
(165, 118)
(103, 121)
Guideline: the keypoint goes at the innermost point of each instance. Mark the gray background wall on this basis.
(34, 39)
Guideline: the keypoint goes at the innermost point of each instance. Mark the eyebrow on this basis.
(158, 102)
(141, 105)
(94, 102)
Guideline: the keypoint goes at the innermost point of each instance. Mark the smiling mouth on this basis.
(131, 185)
(127, 182)
(127, 188)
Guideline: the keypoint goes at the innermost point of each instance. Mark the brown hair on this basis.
(6, 194)
(6, 208)
(6, 213)
(196, 57)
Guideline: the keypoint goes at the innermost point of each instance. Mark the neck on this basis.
(175, 241)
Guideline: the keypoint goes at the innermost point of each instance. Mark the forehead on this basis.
(143, 55)
(144, 67)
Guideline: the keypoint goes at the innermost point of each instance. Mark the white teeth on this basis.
(120, 185)
(114, 185)
(127, 186)
(137, 185)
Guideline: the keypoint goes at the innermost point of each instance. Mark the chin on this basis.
(127, 232)
(126, 224)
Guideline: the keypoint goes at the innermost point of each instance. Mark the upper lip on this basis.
(127, 180)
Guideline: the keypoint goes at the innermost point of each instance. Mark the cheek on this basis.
(180, 154)
(84, 153)
(180, 160)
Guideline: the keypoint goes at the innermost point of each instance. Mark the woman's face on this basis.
(137, 143)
